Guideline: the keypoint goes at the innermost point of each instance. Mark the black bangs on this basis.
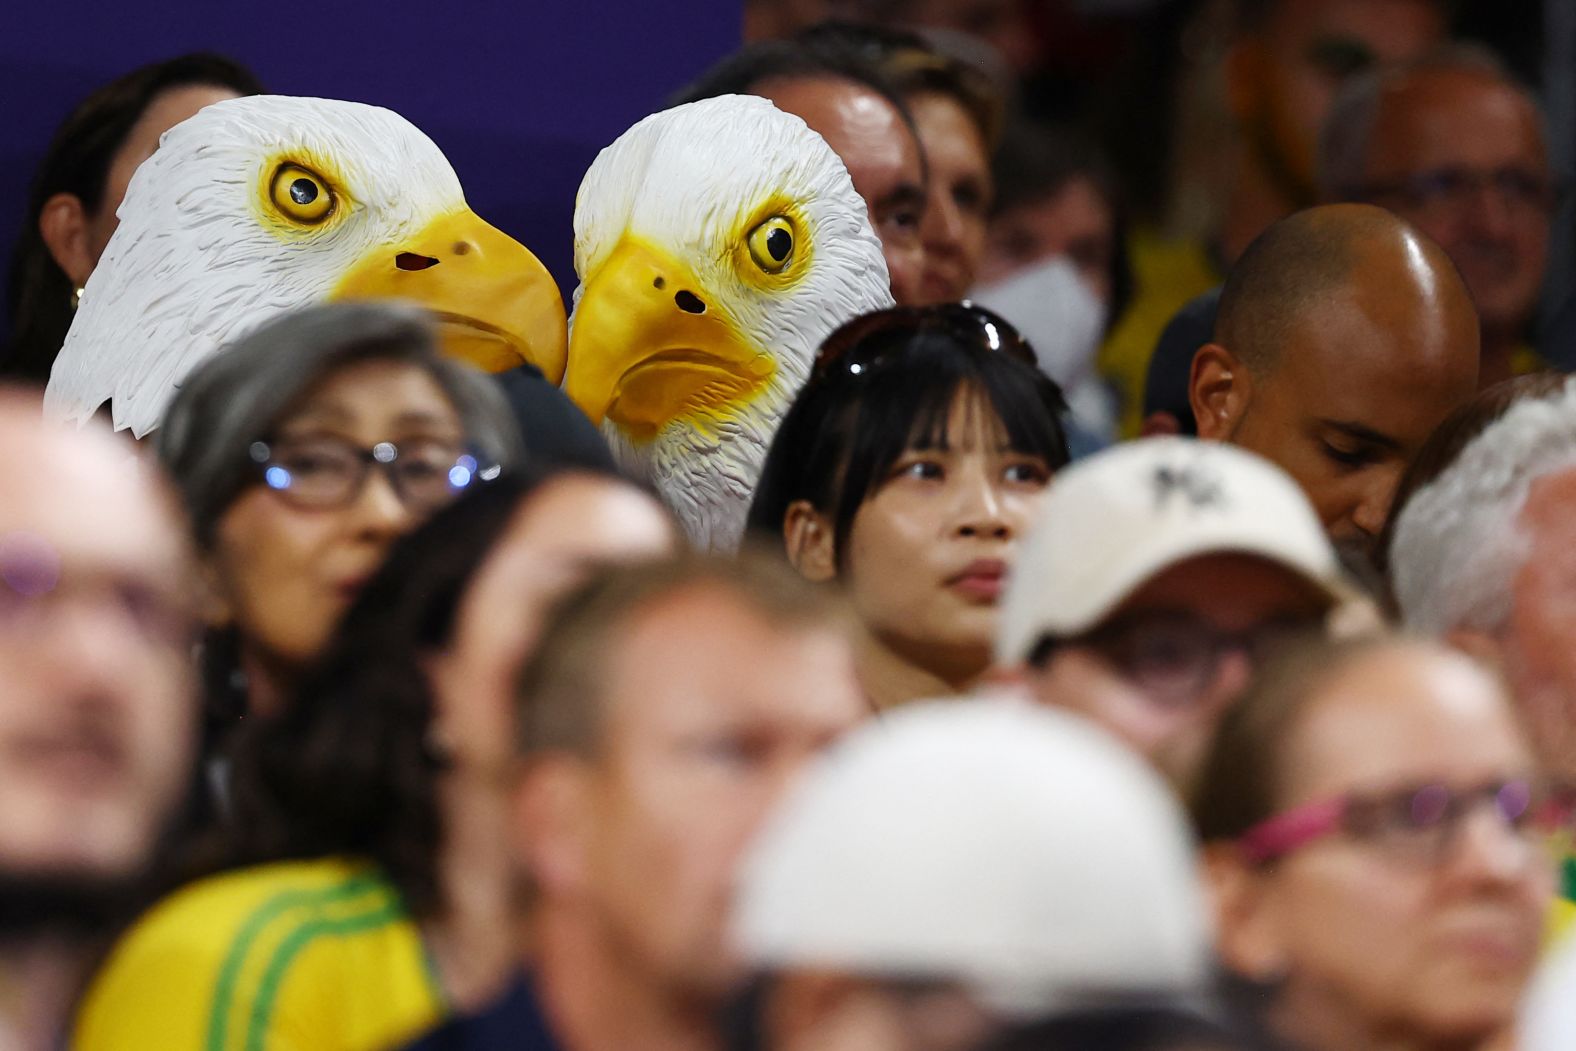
(907, 404)
(895, 392)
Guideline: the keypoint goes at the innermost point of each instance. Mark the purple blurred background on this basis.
(520, 96)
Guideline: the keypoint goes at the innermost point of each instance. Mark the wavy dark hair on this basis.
(78, 161)
(348, 768)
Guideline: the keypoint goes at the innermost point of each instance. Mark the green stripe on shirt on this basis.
(259, 921)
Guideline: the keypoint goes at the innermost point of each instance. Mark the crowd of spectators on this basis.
(1148, 636)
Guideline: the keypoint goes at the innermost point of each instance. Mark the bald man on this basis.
(97, 700)
(1343, 337)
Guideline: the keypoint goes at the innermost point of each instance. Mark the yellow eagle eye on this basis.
(302, 195)
(771, 244)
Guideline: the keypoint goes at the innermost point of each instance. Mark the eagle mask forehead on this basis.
(257, 205)
(693, 177)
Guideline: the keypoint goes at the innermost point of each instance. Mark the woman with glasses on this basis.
(907, 470)
(1376, 837)
(302, 452)
(363, 888)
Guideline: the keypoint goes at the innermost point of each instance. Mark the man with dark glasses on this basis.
(1154, 578)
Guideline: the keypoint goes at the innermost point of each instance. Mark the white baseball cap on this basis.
(1111, 522)
(1018, 851)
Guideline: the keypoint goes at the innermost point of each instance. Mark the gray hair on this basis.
(1348, 129)
(1459, 542)
(242, 393)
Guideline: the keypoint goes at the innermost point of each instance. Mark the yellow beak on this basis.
(649, 347)
(495, 302)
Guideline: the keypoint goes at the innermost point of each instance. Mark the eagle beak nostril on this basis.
(412, 261)
(689, 302)
(463, 247)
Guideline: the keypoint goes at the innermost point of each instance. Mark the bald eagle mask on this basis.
(260, 204)
(717, 244)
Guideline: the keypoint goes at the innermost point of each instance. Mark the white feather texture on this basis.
(195, 263)
(690, 179)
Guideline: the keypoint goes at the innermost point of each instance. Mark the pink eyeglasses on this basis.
(1420, 821)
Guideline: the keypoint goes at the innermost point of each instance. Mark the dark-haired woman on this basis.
(907, 469)
(364, 890)
(303, 451)
(80, 184)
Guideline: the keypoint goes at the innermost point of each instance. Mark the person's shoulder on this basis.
(215, 910)
(513, 1022)
(249, 943)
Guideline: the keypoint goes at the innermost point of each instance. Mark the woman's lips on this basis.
(981, 580)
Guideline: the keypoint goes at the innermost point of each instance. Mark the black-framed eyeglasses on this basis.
(321, 473)
(854, 349)
(1172, 657)
(1454, 188)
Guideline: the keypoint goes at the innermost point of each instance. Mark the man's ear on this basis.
(811, 542)
(1219, 389)
(551, 816)
(63, 224)
(1246, 938)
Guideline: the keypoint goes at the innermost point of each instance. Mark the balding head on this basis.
(98, 712)
(1344, 336)
(1304, 266)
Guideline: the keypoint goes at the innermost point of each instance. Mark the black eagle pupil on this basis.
(779, 243)
(303, 191)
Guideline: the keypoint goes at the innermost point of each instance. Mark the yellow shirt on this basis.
(293, 956)
(1166, 274)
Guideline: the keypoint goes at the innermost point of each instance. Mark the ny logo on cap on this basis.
(1199, 486)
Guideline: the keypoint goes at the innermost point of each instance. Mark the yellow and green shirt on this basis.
(293, 956)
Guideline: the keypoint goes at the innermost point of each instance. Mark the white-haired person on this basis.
(953, 870)
(1154, 575)
(1481, 556)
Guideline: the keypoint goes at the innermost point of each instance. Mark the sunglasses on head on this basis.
(849, 351)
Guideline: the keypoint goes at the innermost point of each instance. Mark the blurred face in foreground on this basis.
(1401, 901)
(98, 708)
(709, 712)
